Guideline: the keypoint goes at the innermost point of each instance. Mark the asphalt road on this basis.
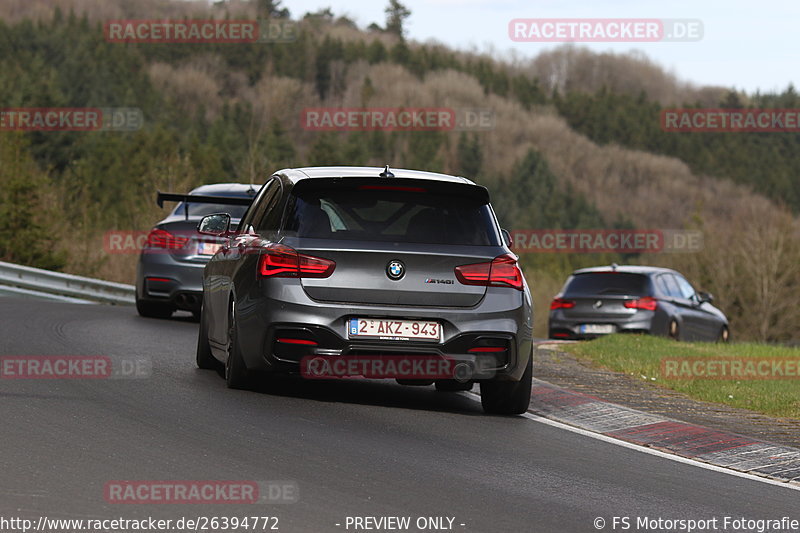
(354, 448)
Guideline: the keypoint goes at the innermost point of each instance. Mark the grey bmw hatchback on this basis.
(634, 299)
(337, 265)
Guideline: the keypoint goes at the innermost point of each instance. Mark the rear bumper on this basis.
(562, 328)
(160, 278)
(285, 311)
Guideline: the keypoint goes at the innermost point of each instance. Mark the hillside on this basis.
(576, 142)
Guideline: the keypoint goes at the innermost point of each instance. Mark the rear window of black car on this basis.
(599, 283)
(417, 216)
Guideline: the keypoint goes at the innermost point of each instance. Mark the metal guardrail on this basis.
(48, 282)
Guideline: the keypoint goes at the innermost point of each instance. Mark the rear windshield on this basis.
(391, 216)
(597, 283)
(200, 210)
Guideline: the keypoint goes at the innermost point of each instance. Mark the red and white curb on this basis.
(719, 448)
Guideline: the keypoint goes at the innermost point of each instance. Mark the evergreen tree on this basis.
(532, 199)
(396, 15)
(376, 52)
(24, 238)
(470, 157)
(325, 151)
(272, 9)
(280, 149)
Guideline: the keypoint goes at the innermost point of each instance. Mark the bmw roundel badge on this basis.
(395, 270)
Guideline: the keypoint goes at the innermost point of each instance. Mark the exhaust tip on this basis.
(463, 372)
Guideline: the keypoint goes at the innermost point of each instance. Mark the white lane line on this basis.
(651, 451)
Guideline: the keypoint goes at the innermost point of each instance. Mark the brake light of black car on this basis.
(561, 303)
(159, 238)
(649, 303)
(502, 271)
(279, 261)
(391, 188)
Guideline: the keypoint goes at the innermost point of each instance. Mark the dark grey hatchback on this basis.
(337, 264)
(634, 299)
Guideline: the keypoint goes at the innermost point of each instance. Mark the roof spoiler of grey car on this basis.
(162, 197)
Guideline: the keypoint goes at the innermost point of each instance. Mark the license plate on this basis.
(596, 328)
(208, 248)
(394, 330)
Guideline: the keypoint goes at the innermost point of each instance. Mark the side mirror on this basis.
(217, 224)
(507, 238)
(704, 297)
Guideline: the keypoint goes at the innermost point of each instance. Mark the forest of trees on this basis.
(222, 112)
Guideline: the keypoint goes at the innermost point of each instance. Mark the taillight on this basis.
(649, 303)
(279, 261)
(561, 303)
(159, 238)
(502, 271)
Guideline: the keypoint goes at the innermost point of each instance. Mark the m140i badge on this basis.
(443, 281)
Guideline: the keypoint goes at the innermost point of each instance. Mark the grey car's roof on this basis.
(297, 174)
(225, 189)
(631, 269)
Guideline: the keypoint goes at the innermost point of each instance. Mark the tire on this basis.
(451, 385)
(724, 335)
(205, 360)
(673, 330)
(236, 374)
(153, 309)
(508, 397)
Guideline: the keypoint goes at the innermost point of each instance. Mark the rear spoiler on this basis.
(162, 197)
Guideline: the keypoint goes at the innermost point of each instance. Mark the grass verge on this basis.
(696, 369)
